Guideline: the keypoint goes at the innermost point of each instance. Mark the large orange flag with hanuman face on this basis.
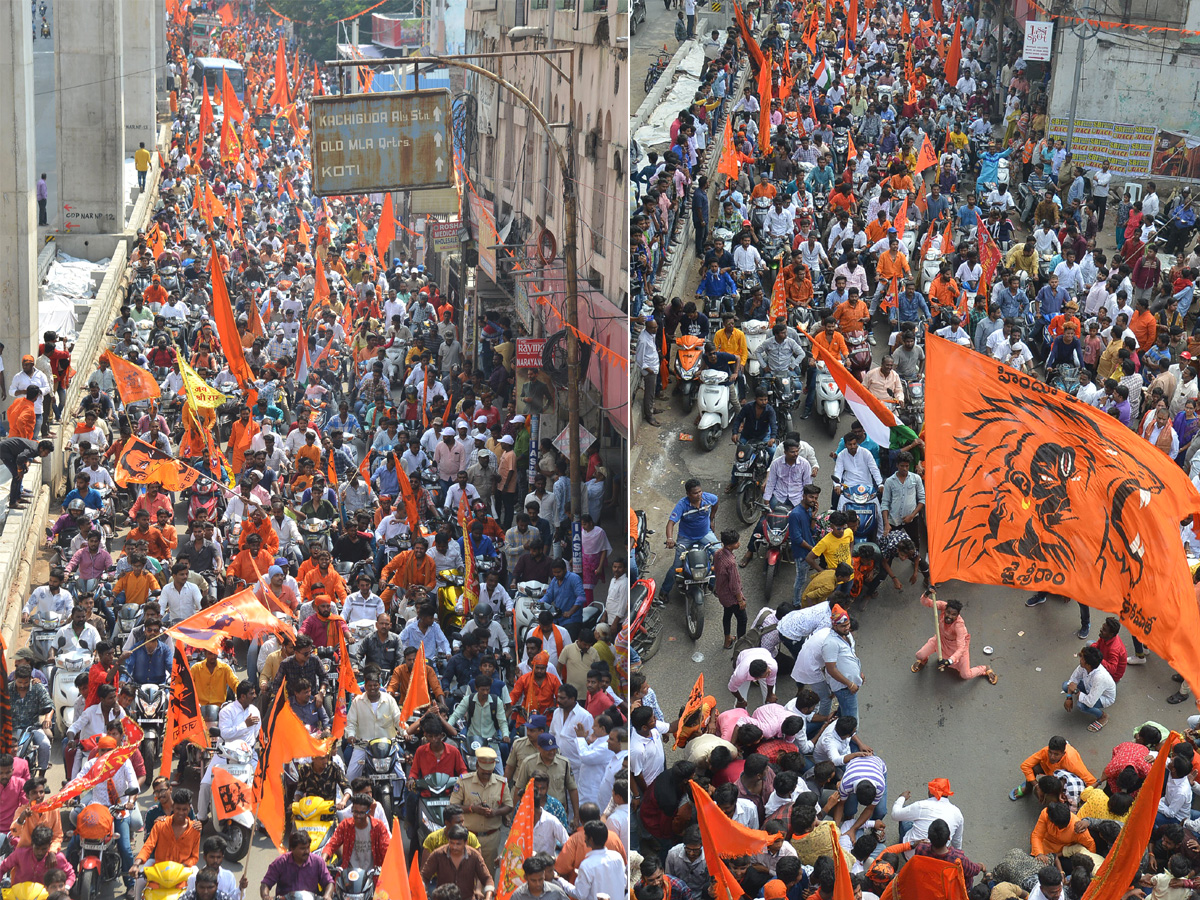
(1029, 488)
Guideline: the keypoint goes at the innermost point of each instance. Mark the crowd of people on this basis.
(371, 484)
(898, 169)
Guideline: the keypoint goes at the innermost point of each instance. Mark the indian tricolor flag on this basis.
(824, 74)
(877, 420)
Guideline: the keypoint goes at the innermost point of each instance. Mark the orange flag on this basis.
(231, 147)
(206, 110)
(255, 322)
(231, 796)
(851, 150)
(938, 12)
(809, 37)
(694, 700)
(905, 25)
(517, 849)
(851, 25)
(320, 287)
(418, 687)
(954, 56)
(305, 237)
(948, 239)
(347, 680)
(919, 201)
(1112, 879)
(901, 218)
(284, 739)
(392, 883)
(318, 88)
(1030, 488)
(843, 889)
(764, 106)
(926, 157)
(239, 615)
(140, 463)
(231, 341)
(229, 98)
(133, 382)
(778, 302)
(410, 500)
(386, 232)
(184, 722)
(279, 95)
(930, 878)
(470, 576)
(715, 829)
(727, 164)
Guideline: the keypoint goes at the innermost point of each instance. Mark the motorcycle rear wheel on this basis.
(748, 499)
(693, 608)
(647, 646)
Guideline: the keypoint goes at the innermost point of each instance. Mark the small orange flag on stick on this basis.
(134, 383)
(927, 157)
(517, 849)
(417, 695)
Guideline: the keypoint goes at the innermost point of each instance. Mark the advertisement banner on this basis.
(444, 236)
(1128, 148)
(484, 220)
(1176, 155)
(1038, 38)
(529, 352)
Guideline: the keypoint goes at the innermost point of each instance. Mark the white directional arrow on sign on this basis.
(439, 164)
(437, 138)
(437, 114)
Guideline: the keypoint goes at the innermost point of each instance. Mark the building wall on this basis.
(1130, 76)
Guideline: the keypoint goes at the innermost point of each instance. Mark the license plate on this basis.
(150, 721)
(686, 436)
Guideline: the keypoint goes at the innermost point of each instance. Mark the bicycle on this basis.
(656, 69)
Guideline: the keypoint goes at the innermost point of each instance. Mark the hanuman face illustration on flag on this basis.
(1035, 476)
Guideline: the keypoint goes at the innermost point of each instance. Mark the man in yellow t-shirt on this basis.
(212, 677)
(141, 162)
(834, 547)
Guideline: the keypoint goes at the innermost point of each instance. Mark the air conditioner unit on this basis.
(591, 144)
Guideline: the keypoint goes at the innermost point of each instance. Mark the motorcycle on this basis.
(718, 406)
(696, 578)
(775, 541)
(758, 214)
(385, 771)
(26, 748)
(129, 618)
(354, 884)
(750, 464)
(99, 858)
(641, 549)
(167, 880)
(689, 360)
(829, 401)
(149, 710)
(43, 633)
(784, 397)
(67, 667)
(204, 495)
(863, 501)
(912, 413)
(1065, 378)
(860, 353)
(645, 630)
(841, 146)
(236, 830)
(317, 818)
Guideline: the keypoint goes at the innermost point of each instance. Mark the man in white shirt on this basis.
(746, 257)
(836, 744)
(602, 871)
(1091, 688)
(1150, 202)
(1014, 352)
(595, 751)
(566, 716)
(854, 466)
(923, 813)
(49, 598)
(1045, 240)
(646, 757)
(363, 604)
(373, 714)
(239, 720)
(180, 598)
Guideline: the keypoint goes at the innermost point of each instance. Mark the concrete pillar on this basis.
(90, 119)
(160, 48)
(141, 62)
(18, 201)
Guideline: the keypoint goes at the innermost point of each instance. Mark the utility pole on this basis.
(1084, 30)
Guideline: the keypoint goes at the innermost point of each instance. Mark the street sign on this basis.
(529, 352)
(445, 236)
(370, 143)
(1038, 38)
(563, 441)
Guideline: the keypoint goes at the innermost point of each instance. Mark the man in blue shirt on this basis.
(1050, 300)
(820, 179)
(150, 663)
(718, 284)
(693, 516)
(84, 491)
(1013, 302)
(968, 215)
(343, 421)
(911, 306)
(800, 533)
(481, 544)
(565, 594)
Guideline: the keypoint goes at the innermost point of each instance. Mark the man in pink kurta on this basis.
(956, 642)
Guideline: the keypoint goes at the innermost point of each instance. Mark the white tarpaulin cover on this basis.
(68, 282)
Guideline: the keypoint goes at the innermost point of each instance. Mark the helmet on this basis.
(76, 505)
(94, 822)
(483, 615)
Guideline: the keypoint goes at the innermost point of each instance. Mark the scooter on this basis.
(829, 401)
(26, 748)
(450, 600)
(757, 333)
(129, 618)
(689, 360)
(863, 501)
(527, 606)
(67, 667)
(433, 796)
(860, 353)
(718, 406)
(236, 830)
(167, 880)
(696, 579)
(44, 631)
(317, 818)
(645, 630)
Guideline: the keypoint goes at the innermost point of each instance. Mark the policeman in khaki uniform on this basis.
(486, 800)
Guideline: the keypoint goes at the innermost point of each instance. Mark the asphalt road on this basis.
(924, 726)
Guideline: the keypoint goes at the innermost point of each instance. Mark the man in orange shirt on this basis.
(22, 420)
(410, 567)
(831, 340)
(323, 579)
(141, 531)
(174, 838)
(877, 230)
(892, 264)
(1143, 324)
(944, 290)
(852, 314)
(259, 524)
(243, 565)
(536, 692)
(797, 284)
(764, 188)
(240, 436)
(155, 293)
